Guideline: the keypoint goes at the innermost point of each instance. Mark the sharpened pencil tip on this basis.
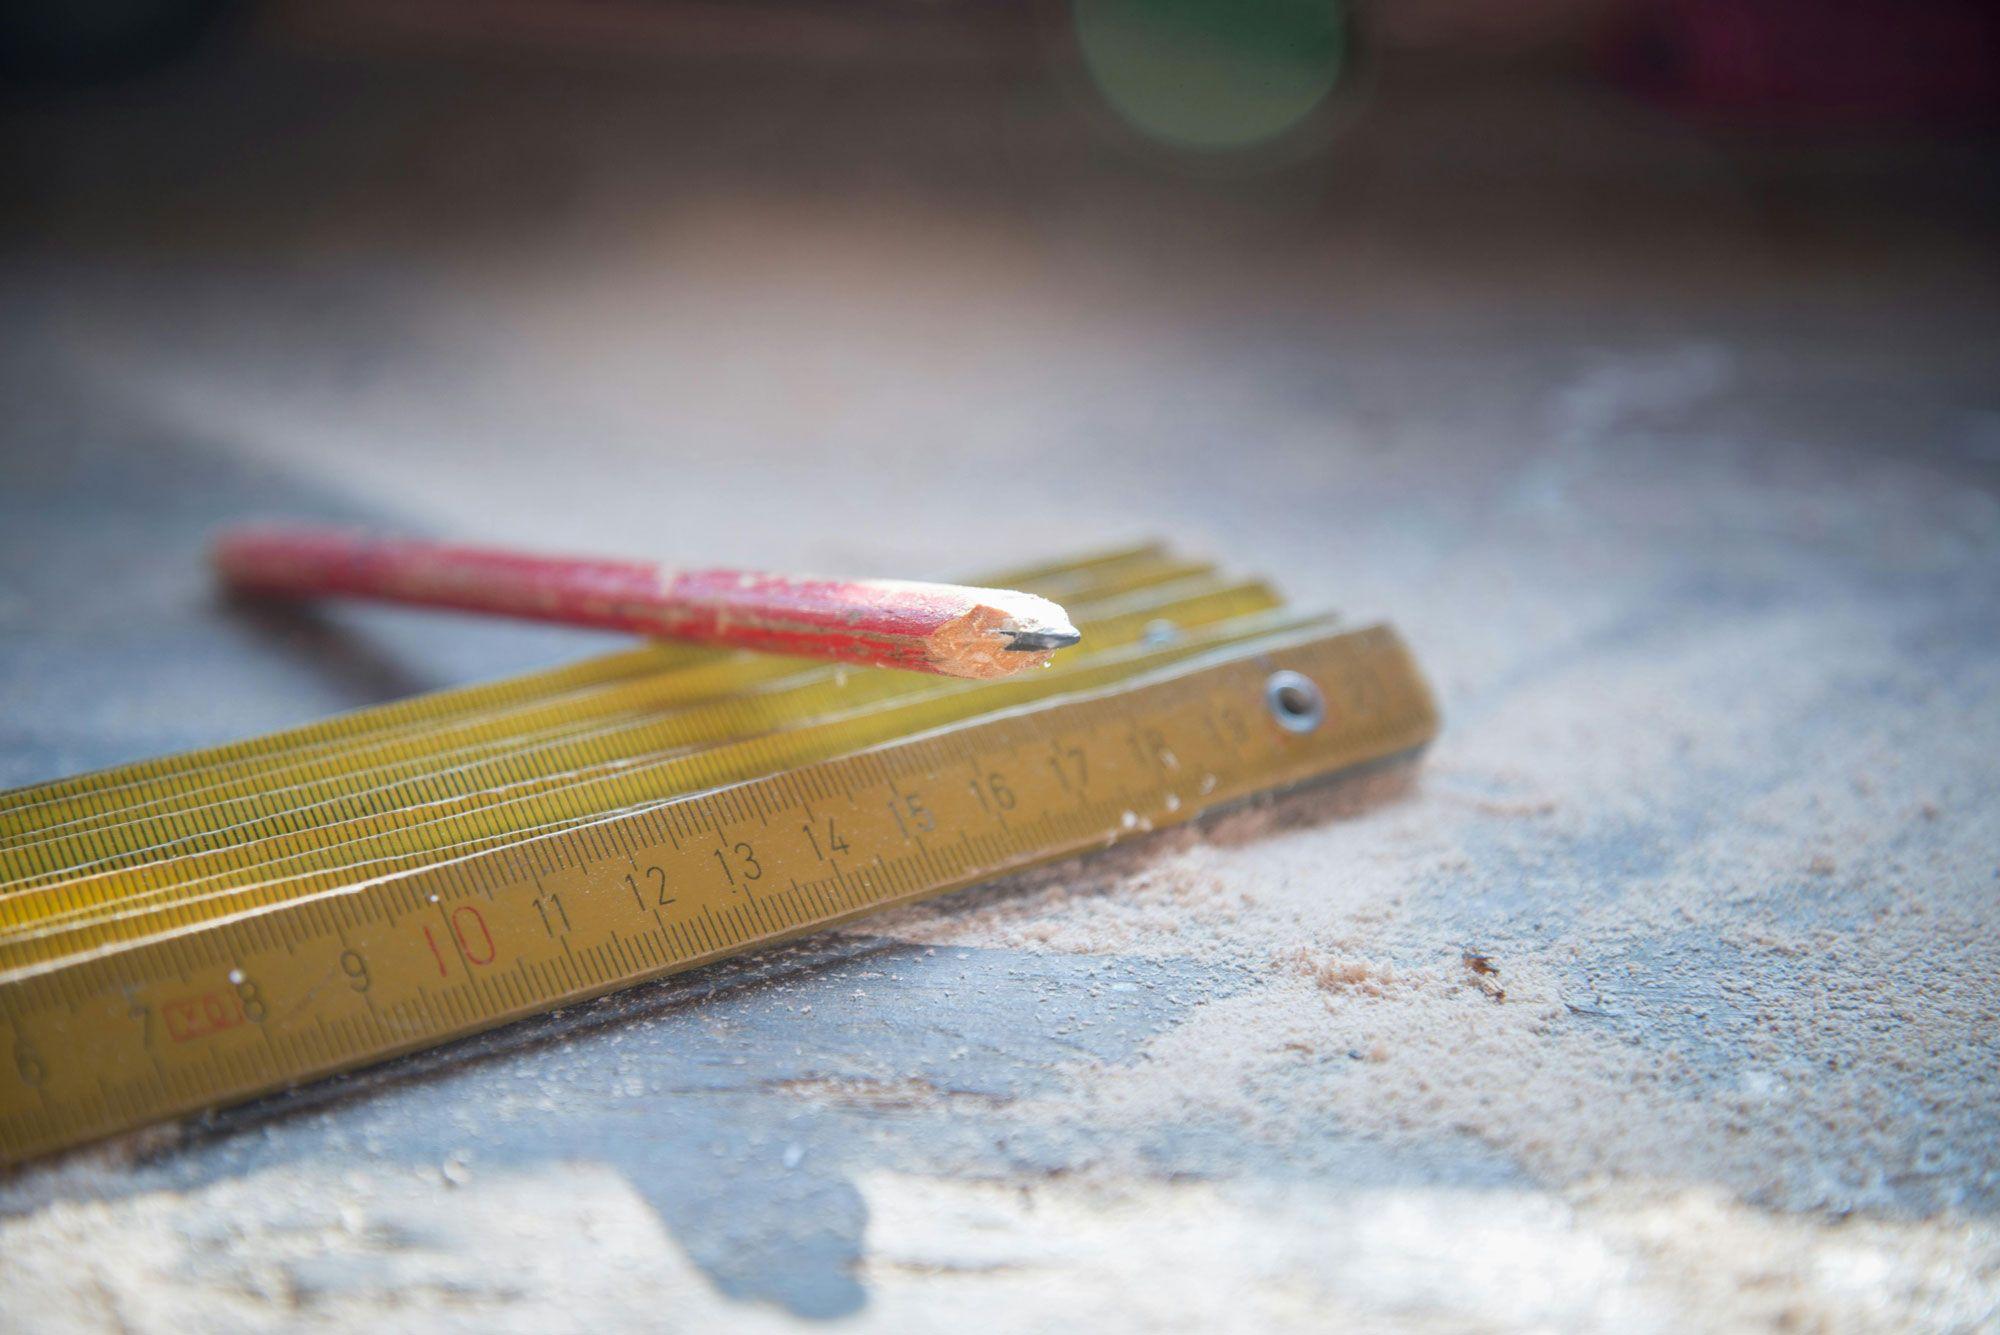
(1034, 640)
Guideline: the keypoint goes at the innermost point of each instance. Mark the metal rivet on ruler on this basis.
(1295, 701)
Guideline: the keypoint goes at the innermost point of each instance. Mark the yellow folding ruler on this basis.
(190, 932)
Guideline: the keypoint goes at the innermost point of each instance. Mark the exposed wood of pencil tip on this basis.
(1003, 632)
(948, 629)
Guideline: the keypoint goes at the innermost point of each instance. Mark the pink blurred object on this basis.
(1817, 61)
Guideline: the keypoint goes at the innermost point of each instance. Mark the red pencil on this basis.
(942, 628)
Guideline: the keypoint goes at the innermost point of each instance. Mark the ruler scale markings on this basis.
(46, 1121)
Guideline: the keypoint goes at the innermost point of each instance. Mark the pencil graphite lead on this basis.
(1023, 641)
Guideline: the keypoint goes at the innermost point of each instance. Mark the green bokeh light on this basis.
(1213, 74)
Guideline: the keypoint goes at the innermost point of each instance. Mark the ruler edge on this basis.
(1426, 724)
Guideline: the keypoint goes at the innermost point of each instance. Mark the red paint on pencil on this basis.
(944, 628)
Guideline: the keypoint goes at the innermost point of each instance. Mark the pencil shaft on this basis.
(942, 628)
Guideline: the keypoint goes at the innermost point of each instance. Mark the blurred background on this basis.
(1639, 358)
(921, 287)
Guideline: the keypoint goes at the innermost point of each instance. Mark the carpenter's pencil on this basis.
(944, 628)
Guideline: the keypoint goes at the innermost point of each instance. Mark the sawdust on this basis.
(1274, 1256)
(316, 1248)
(884, 1095)
(1518, 1053)
(1811, 1041)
